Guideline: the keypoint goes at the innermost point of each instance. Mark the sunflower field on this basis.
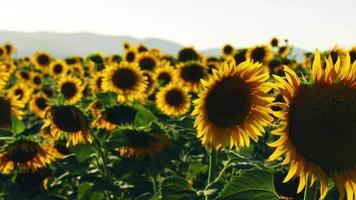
(251, 124)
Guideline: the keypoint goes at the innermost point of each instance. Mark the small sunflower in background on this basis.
(338, 53)
(10, 49)
(115, 116)
(36, 79)
(173, 100)
(151, 83)
(130, 55)
(20, 92)
(189, 75)
(126, 45)
(227, 50)
(260, 53)
(25, 154)
(240, 56)
(96, 82)
(59, 149)
(113, 59)
(284, 51)
(234, 106)
(9, 108)
(141, 48)
(126, 80)
(317, 132)
(42, 60)
(188, 54)
(352, 54)
(212, 63)
(147, 62)
(2, 52)
(23, 75)
(4, 76)
(71, 88)
(141, 143)
(68, 119)
(274, 42)
(275, 66)
(58, 68)
(38, 104)
(164, 74)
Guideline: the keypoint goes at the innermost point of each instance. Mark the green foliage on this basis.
(176, 188)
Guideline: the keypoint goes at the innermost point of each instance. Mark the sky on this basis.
(308, 24)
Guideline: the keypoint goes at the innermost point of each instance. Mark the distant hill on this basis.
(66, 44)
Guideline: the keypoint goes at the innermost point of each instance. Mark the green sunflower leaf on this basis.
(83, 151)
(17, 126)
(177, 188)
(252, 184)
(86, 192)
(144, 117)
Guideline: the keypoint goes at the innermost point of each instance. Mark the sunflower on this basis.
(10, 49)
(20, 92)
(212, 63)
(115, 116)
(261, 53)
(71, 88)
(58, 149)
(2, 52)
(23, 75)
(188, 54)
(41, 60)
(233, 106)
(58, 68)
(36, 79)
(142, 143)
(151, 83)
(96, 82)
(32, 179)
(317, 129)
(126, 80)
(141, 48)
(173, 100)
(275, 66)
(130, 55)
(189, 75)
(126, 45)
(4, 76)
(227, 50)
(336, 53)
(25, 154)
(69, 119)
(113, 59)
(164, 74)
(274, 42)
(352, 54)
(38, 104)
(284, 51)
(147, 62)
(9, 108)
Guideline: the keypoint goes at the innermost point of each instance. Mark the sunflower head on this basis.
(130, 55)
(338, 53)
(284, 51)
(96, 82)
(352, 54)
(126, 80)
(188, 54)
(274, 42)
(173, 100)
(233, 106)
(32, 179)
(261, 53)
(58, 68)
(190, 74)
(71, 88)
(38, 104)
(141, 48)
(317, 129)
(147, 62)
(23, 75)
(41, 60)
(2, 52)
(10, 49)
(151, 83)
(275, 66)
(240, 56)
(36, 79)
(227, 50)
(20, 92)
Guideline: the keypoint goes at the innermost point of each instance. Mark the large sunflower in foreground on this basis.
(25, 154)
(233, 106)
(126, 80)
(173, 100)
(318, 126)
(261, 53)
(69, 119)
(71, 88)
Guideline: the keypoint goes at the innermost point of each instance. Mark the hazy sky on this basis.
(203, 23)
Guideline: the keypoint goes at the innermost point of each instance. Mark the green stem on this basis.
(310, 193)
(212, 165)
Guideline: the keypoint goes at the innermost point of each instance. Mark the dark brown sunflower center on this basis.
(124, 79)
(322, 125)
(147, 63)
(334, 56)
(258, 54)
(142, 48)
(23, 151)
(8, 48)
(41, 103)
(43, 60)
(240, 56)
(2, 52)
(130, 56)
(99, 82)
(164, 77)
(228, 49)
(120, 114)
(61, 148)
(37, 80)
(5, 113)
(139, 139)
(192, 73)
(228, 103)
(274, 42)
(187, 54)
(67, 118)
(352, 56)
(174, 97)
(69, 90)
(57, 69)
(19, 93)
(25, 75)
